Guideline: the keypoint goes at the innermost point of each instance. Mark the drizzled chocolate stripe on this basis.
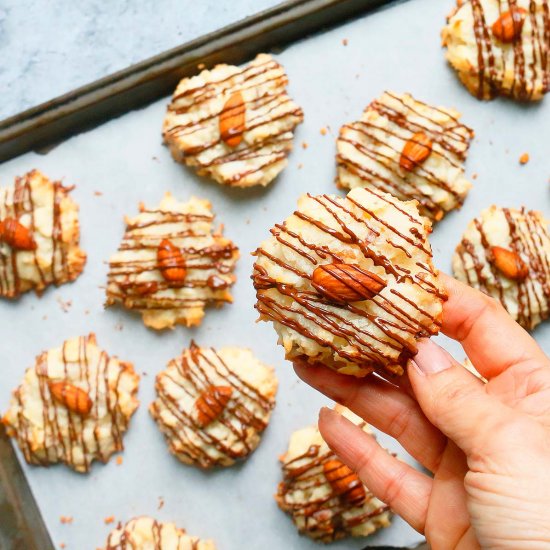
(388, 338)
(191, 127)
(326, 518)
(154, 534)
(66, 435)
(374, 157)
(492, 63)
(528, 237)
(192, 374)
(19, 202)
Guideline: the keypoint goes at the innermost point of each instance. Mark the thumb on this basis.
(454, 400)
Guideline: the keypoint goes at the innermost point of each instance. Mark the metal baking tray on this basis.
(333, 75)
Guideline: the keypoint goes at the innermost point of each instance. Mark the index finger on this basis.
(490, 337)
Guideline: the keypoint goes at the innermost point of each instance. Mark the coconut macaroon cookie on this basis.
(234, 124)
(350, 282)
(172, 262)
(500, 47)
(146, 533)
(73, 406)
(327, 500)
(213, 406)
(39, 236)
(505, 253)
(409, 149)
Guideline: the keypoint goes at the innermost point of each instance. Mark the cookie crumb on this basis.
(201, 66)
(345, 42)
(119, 460)
(300, 166)
(474, 176)
(66, 519)
(98, 193)
(62, 545)
(65, 305)
(304, 145)
(119, 327)
(323, 131)
(524, 159)
(109, 520)
(161, 503)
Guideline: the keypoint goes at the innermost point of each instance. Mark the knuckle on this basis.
(399, 423)
(394, 488)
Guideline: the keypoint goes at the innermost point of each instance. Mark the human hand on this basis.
(486, 445)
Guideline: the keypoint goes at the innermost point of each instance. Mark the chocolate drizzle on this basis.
(147, 532)
(402, 312)
(320, 509)
(521, 68)
(526, 234)
(135, 277)
(56, 258)
(65, 436)
(234, 434)
(191, 125)
(369, 153)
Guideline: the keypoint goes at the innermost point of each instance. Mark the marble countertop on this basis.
(49, 47)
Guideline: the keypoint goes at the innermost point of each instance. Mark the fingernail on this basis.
(431, 358)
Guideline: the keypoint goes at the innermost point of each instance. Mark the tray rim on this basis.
(44, 126)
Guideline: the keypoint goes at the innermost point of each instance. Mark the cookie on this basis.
(232, 124)
(350, 282)
(39, 236)
(172, 263)
(146, 533)
(327, 500)
(212, 406)
(500, 47)
(73, 406)
(409, 149)
(505, 253)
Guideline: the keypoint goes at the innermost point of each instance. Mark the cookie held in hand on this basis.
(349, 282)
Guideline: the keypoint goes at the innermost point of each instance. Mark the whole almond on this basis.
(72, 397)
(507, 28)
(509, 263)
(16, 235)
(343, 283)
(416, 151)
(344, 482)
(211, 404)
(232, 120)
(171, 262)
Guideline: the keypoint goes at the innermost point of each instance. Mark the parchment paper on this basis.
(397, 49)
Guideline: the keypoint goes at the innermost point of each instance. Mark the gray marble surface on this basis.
(49, 47)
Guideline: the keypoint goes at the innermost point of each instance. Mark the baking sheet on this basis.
(397, 49)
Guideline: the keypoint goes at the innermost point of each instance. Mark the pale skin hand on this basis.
(486, 445)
